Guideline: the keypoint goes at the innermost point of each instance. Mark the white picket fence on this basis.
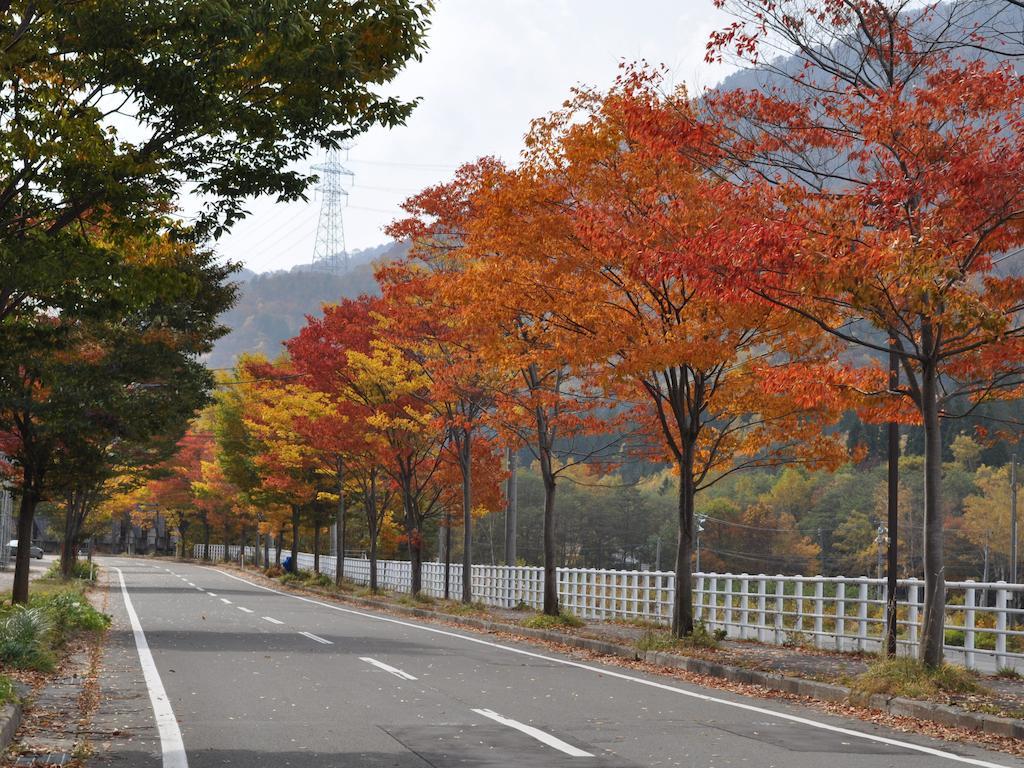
(984, 621)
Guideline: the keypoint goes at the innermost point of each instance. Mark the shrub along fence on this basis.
(984, 621)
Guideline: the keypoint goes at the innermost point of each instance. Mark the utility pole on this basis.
(511, 509)
(701, 519)
(329, 253)
(339, 525)
(892, 508)
(1013, 519)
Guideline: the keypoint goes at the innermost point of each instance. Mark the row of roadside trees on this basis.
(110, 112)
(710, 282)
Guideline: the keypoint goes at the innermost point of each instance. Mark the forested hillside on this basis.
(273, 306)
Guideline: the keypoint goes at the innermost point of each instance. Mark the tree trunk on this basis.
(206, 540)
(316, 548)
(932, 630)
(415, 537)
(278, 545)
(295, 538)
(466, 457)
(370, 502)
(447, 541)
(682, 608)
(266, 550)
(339, 526)
(511, 511)
(550, 574)
(22, 559)
(72, 524)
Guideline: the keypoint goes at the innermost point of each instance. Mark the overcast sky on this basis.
(492, 66)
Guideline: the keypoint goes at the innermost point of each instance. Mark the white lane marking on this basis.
(272, 620)
(200, 589)
(247, 610)
(225, 601)
(171, 745)
(319, 639)
(190, 583)
(537, 733)
(212, 594)
(607, 672)
(387, 668)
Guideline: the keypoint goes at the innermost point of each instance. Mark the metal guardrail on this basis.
(984, 622)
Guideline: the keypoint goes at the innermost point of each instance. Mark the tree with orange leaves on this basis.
(487, 258)
(462, 383)
(892, 170)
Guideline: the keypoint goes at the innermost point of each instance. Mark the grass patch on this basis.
(562, 620)
(663, 640)
(415, 600)
(7, 692)
(457, 608)
(909, 678)
(31, 635)
(83, 570)
(1008, 673)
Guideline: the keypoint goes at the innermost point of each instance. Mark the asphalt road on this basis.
(246, 676)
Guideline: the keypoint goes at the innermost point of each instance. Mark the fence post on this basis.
(762, 607)
(840, 614)
(780, 609)
(912, 613)
(862, 615)
(1000, 626)
(712, 602)
(728, 604)
(698, 609)
(744, 605)
(798, 595)
(969, 598)
(819, 609)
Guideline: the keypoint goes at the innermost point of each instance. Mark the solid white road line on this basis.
(319, 639)
(171, 745)
(247, 610)
(387, 668)
(537, 733)
(225, 601)
(608, 672)
(272, 620)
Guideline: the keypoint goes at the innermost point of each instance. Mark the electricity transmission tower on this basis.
(329, 253)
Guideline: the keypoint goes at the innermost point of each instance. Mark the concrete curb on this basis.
(10, 717)
(941, 714)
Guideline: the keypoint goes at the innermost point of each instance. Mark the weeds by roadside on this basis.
(663, 640)
(909, 678)
(7, 691)
(31, 635)
(543, 621)
(83, 570)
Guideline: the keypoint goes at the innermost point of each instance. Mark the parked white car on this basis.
(36, 551)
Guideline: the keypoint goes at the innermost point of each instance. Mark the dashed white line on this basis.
(212, 594)
(225, 601)
(247, 610)
(545, 738)
(388, 668)
(318, 639)
(190, 584)
(272, 620)
(171, 745)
